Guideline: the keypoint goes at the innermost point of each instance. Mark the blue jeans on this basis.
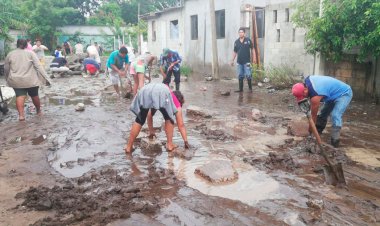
(336, 108)
(244, 71)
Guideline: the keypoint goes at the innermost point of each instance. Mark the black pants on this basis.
(141, 118)
(177, 77)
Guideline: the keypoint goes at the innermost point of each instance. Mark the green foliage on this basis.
(306, 12)
(344, 26)
(10, 17)
(107, 15)
(186, 70)
(281, 77)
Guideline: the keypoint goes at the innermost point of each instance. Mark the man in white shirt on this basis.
(78, 48)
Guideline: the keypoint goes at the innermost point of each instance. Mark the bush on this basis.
(281, 77)
(186, 70)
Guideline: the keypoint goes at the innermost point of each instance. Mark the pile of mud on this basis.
(214, 134)
(99, 198)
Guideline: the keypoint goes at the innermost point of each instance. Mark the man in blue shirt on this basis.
(115, 66)
(170, 64)
(336, 96)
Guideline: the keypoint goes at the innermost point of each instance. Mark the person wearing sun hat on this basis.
(336, 96)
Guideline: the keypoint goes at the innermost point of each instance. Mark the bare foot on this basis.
(39, 113)
(127, 151)
(21, 119)
(171, 148)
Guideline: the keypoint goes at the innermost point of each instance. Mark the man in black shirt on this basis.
(58, 62)
(243, 49)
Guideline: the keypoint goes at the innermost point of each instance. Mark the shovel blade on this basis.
(334, 175)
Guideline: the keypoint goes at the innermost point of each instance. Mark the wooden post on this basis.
(255, 37)
(215, 66)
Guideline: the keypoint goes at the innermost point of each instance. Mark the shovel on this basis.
(333, 172)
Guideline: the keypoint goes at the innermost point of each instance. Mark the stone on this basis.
(184, 153)
(217, 171)
(298, 128)
(79, 107)
(196, 111)
(151, 145)
(260, 84)
(256, 114)
(44, 204)
(266, 80)
(315, 203)
(225, 93)
(208, 78)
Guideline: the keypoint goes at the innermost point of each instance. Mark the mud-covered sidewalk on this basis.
(69, 167)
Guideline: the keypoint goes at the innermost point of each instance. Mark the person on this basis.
(149, 59)
(58, 62)
(78, 48)
(67, 49)
(98, 48)
(90, 66)
(243, 49)
(336, 96)
(154, 96)
(170, 64)
(93, 53)
(58, 52)
(178, 101)
(137, 71)
(115, 66)
(39, 49)
(24, 73)
(29, 47)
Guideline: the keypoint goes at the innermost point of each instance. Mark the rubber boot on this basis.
(177, 86)
(241, 82)
(321, 124)
(335, 135)
(250, 85)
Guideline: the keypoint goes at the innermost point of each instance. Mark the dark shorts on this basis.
(32, 91)
(144, 114)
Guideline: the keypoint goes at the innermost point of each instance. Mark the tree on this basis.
(343, 26)
(10, 17)
(108, 14)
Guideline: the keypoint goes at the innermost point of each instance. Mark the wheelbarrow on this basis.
(333, 171)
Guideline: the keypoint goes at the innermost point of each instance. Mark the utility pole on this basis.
(215, 65)
(138, 27)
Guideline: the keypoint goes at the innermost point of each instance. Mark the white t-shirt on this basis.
(93, 53)
(78, 48)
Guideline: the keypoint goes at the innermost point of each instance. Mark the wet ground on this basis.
(69, 167)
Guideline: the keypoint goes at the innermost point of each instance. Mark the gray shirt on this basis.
(156, 96)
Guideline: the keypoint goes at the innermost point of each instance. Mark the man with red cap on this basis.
(336, 96)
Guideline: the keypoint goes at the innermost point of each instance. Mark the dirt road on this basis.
(69, 168)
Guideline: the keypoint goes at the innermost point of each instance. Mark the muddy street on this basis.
(251, 161)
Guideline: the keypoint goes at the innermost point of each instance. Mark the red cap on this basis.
(298, 90)
(91, 68)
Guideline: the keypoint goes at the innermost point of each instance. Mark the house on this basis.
(186, 29)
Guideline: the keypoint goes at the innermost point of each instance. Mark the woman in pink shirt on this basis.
(178, 100)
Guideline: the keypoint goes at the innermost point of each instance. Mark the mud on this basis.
(217, 172)
(69, 168)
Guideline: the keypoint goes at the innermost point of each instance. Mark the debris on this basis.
(196, 111)
(260, 84)
(256, 114)
(266, 80)
(225, 93)
(80, 107)
(217, 171)
(315, 203)
(208, 78)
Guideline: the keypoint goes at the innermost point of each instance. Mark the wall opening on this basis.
(278, 35)
(274, 16)
(294, 35)
(287, 15)
(220, 22)
(194, 27)
(174, 29)
(153, 30)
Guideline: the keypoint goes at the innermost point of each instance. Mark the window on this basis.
(260, 22)
(286, 15)
(174, 30)
(194, 27)
(153, 30)
(220, 20)
(278, 35)
(294, 35)
(274, 16)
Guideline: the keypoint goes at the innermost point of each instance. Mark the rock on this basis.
(315, 203)
(217, 171)
(204, 88)
(225, 93)
(260, 84)
(208, 78)
(44, 204)
(271, 90)
(153, 145)
(298, 128)
(256, 114)
(183, 153)
(80, 107)
(266, 80)
(196, 111)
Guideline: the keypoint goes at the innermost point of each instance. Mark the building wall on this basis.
(287, 50)
(198, 53)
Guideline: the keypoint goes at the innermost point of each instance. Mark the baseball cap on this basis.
(165, 52)
(297, 91)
